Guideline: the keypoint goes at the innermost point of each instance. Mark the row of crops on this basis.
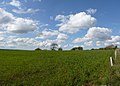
(55, 68)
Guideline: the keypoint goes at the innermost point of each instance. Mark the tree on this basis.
(37, 49)
(54, 46)
(60, 49)
(116, 47)
(77, 48)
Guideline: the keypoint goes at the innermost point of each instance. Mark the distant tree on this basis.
(54, 46)
(92, 49)
(77, 48)
(110, 47)
(37, 49)
(80, 48)
(116, 47)
(60, 48)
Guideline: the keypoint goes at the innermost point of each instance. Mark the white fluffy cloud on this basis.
(21, 25)
(96, 34)
(19, 42)
(79, 40)
(89, 43)
(91, 11)
(5, 17)
(52, 34)
(99, 33)
(15, 3)
(47, 34)
(25, 11)
(14, 24)
(99, 43)
(62, 18)
(73, 23)
(62, 36)
(115, 40)
(27, 43)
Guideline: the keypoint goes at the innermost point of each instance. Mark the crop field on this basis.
(55, 68)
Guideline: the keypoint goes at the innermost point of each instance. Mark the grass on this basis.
(115, 72)
(54, 68)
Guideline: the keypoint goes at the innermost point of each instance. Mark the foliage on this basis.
(77, 48)
(54, 68)
(60, 48)
(37, 49)
(54, 46)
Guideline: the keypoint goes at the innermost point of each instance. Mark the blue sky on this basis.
(28, 24)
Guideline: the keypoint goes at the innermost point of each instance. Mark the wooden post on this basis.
(111, 61)
(115, 54)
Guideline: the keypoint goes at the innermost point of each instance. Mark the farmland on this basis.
(55, 68)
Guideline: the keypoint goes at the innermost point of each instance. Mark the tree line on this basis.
(54, 46)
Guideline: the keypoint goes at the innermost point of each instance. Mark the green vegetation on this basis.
(55, 68)
(115, 72)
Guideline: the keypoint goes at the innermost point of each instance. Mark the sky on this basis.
(29, 24)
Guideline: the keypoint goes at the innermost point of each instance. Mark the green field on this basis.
(55, 68)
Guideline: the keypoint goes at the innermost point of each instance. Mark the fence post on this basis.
(111, 61)
(115, 54)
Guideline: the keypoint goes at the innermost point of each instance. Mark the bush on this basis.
(37, 49)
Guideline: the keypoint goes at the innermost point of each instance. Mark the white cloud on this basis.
(99, 33)
(2, 38)
(62, 36)
(51, 18)
(47, 34)
(73, 23)
(62, 18)
(20, 43)
(89, 43)
(21, 26)
(33, 0)
(14, 24)
(79, 40)
(99, 43)
(91, 11)
(52, 34)
(37, 0)
(5, 17)
(2, 33)
(25, 11)
(95, 36)
(15, 3)
(115, 40)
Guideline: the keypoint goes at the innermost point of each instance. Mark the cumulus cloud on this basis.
(99, 43)
(47, 34)
(55, 35)
(115, 40)
(15, 3)
(79, 40)
(96, 34)
(5, 17)
(91, 11)
(89, 43)
(73, 23)
(99, 33)
(14, 24)
(21, 26)
(25, 11)
(62, 36)
(62, 18)
(19, 42)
